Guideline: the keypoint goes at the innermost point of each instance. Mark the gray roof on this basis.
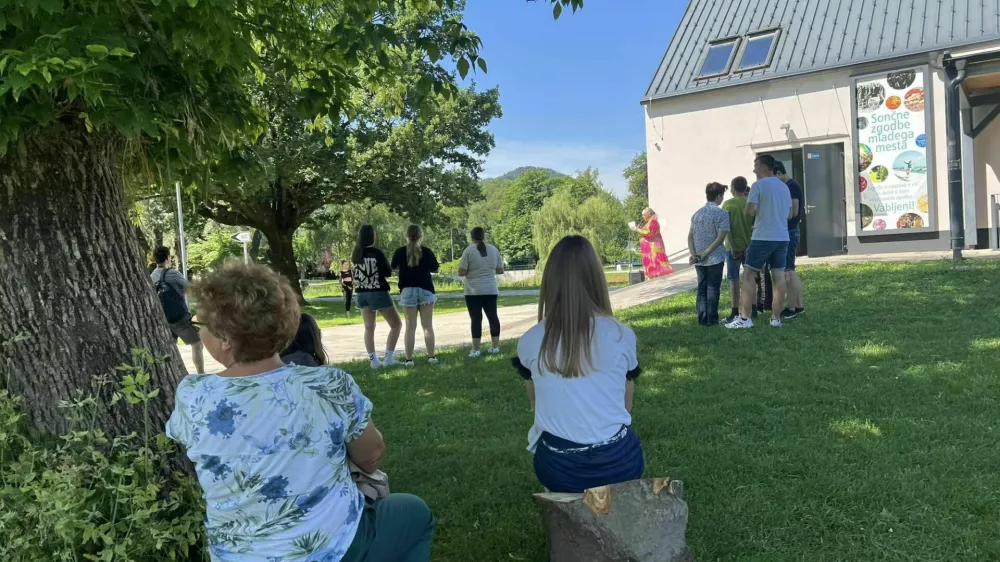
(818, 35)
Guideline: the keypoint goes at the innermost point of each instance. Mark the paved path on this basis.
(395, 296)
(344, 343)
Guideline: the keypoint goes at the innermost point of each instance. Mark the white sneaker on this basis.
(740, 324)
(389, 361)
(775, 323)
(432, 360)
(494, 351)
(376, 364)
(408, 363)
(474, 354)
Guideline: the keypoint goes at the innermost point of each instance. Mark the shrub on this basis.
(86, 496)
(449, 268)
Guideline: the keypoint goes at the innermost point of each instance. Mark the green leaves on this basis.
(97, 49)
(463, 67)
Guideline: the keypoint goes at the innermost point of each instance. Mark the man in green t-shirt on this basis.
(741, 228)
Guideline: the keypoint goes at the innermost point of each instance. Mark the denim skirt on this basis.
(564, 466)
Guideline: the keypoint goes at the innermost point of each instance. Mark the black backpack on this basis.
(172, 301)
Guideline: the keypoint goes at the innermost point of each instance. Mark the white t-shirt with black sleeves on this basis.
(588, 409)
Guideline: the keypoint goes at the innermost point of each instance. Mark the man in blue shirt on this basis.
(771, 204)
(792, 282)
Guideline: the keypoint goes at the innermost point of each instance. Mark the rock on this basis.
(638, 521)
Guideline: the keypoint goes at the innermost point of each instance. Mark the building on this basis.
(859, 98)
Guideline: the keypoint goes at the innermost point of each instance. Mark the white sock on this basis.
(373, 357)
(389, 355)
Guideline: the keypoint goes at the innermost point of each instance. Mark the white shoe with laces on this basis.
(474, 354)
(408, 363)
(775, 323)
(389, 361)
(376, 364)
(432, 360)
(494, 351)
(740, 324)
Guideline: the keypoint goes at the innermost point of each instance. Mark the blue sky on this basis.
(570, 88)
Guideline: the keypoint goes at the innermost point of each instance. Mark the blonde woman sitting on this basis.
(580, 365)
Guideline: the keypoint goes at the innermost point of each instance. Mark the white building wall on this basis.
(698, 138)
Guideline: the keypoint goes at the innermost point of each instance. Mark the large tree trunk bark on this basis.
(72, 281)
(282, 255)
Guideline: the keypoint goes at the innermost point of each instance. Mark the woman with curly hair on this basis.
(272, 443)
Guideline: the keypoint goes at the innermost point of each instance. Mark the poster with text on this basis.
(891, 130)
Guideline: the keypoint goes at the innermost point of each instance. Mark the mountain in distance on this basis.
(516, 173)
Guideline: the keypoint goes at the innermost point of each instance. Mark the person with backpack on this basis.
(170, 286)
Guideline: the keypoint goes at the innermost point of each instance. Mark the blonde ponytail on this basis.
(414, 234)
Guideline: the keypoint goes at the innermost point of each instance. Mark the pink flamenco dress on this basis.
(654, 256)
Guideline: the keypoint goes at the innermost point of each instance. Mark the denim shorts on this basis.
(379, 300)
(793, 245)
(733, 267)
(766, 252)
(412, 297)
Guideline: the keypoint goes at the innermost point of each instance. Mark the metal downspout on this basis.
(954, 127)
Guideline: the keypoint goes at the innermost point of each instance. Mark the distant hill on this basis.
(514, 174)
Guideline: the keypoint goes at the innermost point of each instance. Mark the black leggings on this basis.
(477, 305)
(348, 296)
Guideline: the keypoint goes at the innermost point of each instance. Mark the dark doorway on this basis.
(820, 170)
(826, 198)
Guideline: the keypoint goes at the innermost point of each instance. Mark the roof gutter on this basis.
(955, 70)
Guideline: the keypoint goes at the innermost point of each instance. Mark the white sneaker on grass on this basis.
(432, 360)
(474, 354)
(389, 361)
(775, 323)
(494, 351)
(740, 324)
(408, 363)
(376, 364)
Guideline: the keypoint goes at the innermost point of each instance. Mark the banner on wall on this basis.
(894, 182)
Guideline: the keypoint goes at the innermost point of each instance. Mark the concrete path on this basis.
(395, 296)
(344, 343)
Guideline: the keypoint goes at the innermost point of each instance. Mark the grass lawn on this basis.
(333, 314)
(866, 430)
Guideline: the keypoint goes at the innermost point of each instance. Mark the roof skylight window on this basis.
(719, 58)
(758, 51)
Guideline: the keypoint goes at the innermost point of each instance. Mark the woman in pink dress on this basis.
(654, 256)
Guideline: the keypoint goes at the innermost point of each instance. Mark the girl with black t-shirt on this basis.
(371, 273)
(416, 264)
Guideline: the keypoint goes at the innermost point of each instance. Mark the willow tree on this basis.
(94, 90)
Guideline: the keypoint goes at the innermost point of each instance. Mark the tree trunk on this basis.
(282, 255)
(638, 521)
(75, 296)
(255, 245)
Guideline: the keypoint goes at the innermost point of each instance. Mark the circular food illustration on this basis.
(864, 157)
(878, 174)
(862, 183)
(910, 165)
(922, 140)
(901, 80)
(914, 99)
(910, 220)
(893, 102)
(866, 215)
(879, 224)
(923, 204)
(862, 123)
(871, 96)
